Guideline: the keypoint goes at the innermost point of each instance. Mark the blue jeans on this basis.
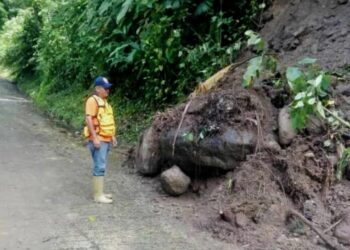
(99, 157)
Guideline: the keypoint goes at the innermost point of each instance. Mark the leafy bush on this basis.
(307, 83)
(3, 15)
(18, 42)
(155, 51)
(309, 86)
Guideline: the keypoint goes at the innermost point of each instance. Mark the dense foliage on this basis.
(156, 51)
(3, 14)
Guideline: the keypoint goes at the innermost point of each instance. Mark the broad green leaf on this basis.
(255, 39)
(318, 81)
(293, 74)
(311, 101)
(299, 117)
(299, 104)
(311, 82)
(249, 33)
(253, 71)
(300, 95)
(188, 136)
(320, 110)
(295, 79)
(307, 60)
(237, 45)
(326, 80)
(271, 64)
(104, 7)
(125, 7)
(262, 6)
(203, 7)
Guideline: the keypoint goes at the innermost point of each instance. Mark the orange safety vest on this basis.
(105, 118)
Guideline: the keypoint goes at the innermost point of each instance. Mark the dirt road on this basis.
(45, 198)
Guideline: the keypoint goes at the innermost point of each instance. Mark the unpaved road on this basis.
(45, 200)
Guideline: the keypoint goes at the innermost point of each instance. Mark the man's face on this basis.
(102, 92)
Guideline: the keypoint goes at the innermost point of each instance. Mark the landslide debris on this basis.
(246, 174)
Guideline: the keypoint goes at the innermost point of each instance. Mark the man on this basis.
(100, 131)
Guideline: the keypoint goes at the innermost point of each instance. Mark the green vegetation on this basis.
(308, 88)
(3, 14)
(343, 164)
(154, 51)
(306, 83)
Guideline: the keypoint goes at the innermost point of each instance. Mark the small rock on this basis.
(271, 144)
(309, 154)
(299, 31)
(286, 132)
(303, 148)
(328, 15)
(344, 32)
(241, 220)
(282, 239)
(174, 181)
(342, 1)
(227, 216)
(309, 209)
(291, 44)
(330, 32)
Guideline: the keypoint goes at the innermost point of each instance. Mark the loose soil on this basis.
(250, 204)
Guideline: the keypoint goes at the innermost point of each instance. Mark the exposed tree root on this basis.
(316, 230)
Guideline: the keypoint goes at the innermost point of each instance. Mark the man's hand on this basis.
(114, 142)
(97, 143)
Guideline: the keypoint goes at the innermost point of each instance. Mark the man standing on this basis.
(100, 131)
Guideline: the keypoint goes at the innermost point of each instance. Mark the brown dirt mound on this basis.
(228, 105)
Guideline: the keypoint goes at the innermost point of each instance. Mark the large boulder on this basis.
(218, 130)
(286, 132)
(147, 153)
(223, 150)
(174, 181)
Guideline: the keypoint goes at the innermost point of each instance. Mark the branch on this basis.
(341, 120)
(317, 231)
(180, 124)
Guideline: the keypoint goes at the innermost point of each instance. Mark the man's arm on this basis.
(92, 131)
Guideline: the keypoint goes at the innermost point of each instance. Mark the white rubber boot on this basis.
(109, 196)
(98, 182)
